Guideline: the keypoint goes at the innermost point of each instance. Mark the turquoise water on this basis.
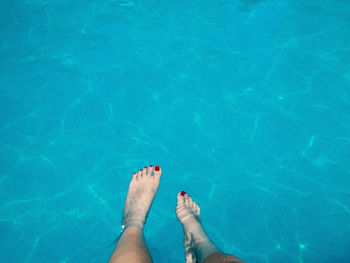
(244, 104)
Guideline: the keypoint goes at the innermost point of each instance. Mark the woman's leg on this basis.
(219, 257)
(198, 246)
(131, 246)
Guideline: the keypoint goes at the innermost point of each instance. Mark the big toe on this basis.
(157, 172)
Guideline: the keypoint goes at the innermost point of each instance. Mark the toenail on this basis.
(145, 167)
(182, 193)
(156, 168)
(150, 166)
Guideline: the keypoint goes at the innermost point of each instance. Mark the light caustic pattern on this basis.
(244, 104)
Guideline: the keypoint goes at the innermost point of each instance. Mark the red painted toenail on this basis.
(145, 167)
(182, 193)
(156, 168)
(150, 166)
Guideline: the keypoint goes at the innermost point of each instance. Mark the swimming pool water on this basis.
(244, 104)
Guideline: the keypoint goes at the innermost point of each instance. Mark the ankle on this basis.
(197, 232)
(133, 226)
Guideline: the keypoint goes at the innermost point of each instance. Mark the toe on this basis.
(144, 172)
(186, 200)
(190, 201)
(198, 210)
(194, 205)
(150, 169)
(139, 175)
(134, 177)
(180, 199)
(157, 173)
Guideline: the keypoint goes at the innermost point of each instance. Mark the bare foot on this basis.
(142, 190)
(198, 246)
(188, 213)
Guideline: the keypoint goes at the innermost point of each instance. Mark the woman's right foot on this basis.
(188, 212)
(197, 244)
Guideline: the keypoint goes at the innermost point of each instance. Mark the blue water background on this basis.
(244, 104)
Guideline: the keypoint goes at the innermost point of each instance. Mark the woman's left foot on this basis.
(142, 190)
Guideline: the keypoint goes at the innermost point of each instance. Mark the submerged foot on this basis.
(142, 189)
(188, 213)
